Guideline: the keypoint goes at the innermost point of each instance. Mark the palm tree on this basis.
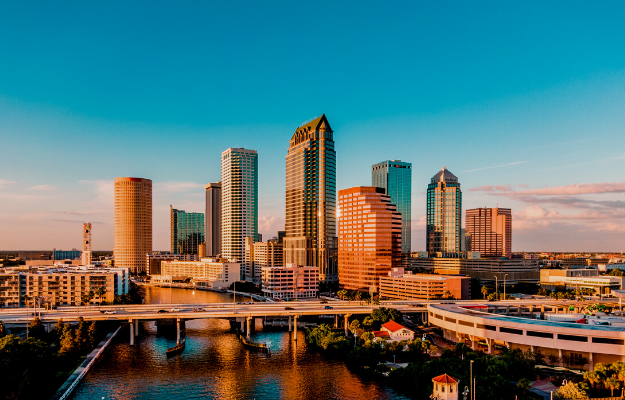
(484, 291)
(100, 292)
(612, 383)
(524, 384)
(592, 377)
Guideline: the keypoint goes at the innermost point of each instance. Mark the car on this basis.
(239, 304)
(161, 311)
(197, 310)
(323, 302)
(109, 312)
(175, 309)
(288, 308)
(328, 308)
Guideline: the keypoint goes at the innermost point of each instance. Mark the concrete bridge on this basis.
(243, 313)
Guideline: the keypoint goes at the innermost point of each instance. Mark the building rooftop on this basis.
(445, 379)
(393, 326)
(444, 176)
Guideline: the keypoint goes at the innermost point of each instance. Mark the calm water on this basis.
(215, 365)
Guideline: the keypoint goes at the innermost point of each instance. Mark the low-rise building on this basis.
(394, 331)
(208, 272)
(579, 278)
(484, 269)
(57, 286)
(290, 282)
(155, 258)
(401, 285)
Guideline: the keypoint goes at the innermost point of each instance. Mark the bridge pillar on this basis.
(336, 321)
(591, 364)
(136, 327)
(49, 325)
(177, 330)
(346, 323)
(249, 328)
(295, 328)
(290, 328)
(489, 342)
(132, 332)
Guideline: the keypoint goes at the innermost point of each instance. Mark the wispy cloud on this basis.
(568, 190)
(4, 182)
(42, 188)
(496, 166)
(174, 186)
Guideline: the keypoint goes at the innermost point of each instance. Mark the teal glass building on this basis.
(395, 177)
(187, 231)
(444, 215)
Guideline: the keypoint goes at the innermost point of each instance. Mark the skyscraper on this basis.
(369, 237)
(239, 201)
(133, 223)
(396, 178)
(311, 199)
(86, 243)
(444, 215)
(187, 231)
(489, 231)
(213, 219)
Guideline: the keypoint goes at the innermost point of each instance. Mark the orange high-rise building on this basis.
(369, 237)
(489, 231)
(133, 223)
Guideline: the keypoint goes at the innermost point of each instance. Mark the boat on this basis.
(177, 349)
(258, 346)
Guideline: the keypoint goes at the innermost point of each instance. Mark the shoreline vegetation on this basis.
(375, 359)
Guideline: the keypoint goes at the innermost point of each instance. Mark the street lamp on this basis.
(504, 286)
(471, 377)
(496, 289)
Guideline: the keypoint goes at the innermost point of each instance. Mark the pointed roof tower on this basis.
(444, 175)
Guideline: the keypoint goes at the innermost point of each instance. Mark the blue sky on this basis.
(513, 97)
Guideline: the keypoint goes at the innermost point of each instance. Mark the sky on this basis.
(524, 101)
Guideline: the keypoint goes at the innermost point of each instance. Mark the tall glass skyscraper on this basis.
(212, 218)
(311, 199)
(187, 231)
(444, 215)
(239, 201)
(395, 177)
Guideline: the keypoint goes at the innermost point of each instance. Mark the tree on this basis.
(570, 391)
(36, 329)
(484, 291)
(354, 326)
(358, 296)
(616, 272)
(524, 384)
(342, 294)
(3, 331)
(81, 335)
(92, 334)
(57, 332)
(447, 295)
(100, 293)
(68, 343)
(619, 369)
(592, 377)
(553, 359)
(612, 383)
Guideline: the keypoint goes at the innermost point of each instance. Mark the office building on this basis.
(133, 223)
(489, 231)
(369, 238)
(404, 285)
(487, 270)
(86, 243)
(57, 254)
(290, 282)
(187, 231)
(444, 215)
(154, 259)
(579, 279)
(259, 255)
(311, 199)
(239, 201)
(395, 177)
(208, 272)
(213, 219)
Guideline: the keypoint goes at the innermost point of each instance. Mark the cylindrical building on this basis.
(133, 223)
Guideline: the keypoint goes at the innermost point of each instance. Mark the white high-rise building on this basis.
(239, 201)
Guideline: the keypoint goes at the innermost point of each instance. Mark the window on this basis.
(540, 334)
(511, 331)
(573, 338)
(466, 323)
(607, 341)
(486, 327)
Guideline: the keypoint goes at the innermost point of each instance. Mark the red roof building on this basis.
(397, 332)
(445, 387)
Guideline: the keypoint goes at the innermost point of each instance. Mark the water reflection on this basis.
(215, 365)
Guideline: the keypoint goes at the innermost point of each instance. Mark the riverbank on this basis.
(204, 289)
(70, 384)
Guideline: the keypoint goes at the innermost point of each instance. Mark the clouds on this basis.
(270, 225)
(4, 183)
(496, 166)
(568, 190)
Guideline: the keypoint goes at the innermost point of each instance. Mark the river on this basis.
(215, 365)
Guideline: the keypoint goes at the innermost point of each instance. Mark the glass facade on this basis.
(444, 215)
(395, 177)
(66, 254)
(311, 199)
(187, 231)
(489, 231)
(239, 202)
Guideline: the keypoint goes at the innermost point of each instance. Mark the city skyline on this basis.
(531, 121)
